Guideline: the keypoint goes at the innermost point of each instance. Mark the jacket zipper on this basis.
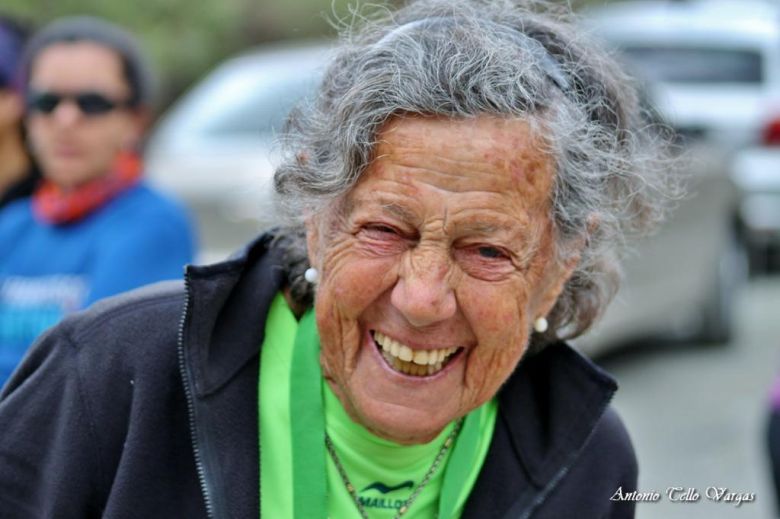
(185, 375)
(545, 492)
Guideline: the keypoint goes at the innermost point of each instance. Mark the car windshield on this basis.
(260, 110)
(679, 64)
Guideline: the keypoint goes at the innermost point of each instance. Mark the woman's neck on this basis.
(14, 160)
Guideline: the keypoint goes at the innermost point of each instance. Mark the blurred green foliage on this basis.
(187, 38)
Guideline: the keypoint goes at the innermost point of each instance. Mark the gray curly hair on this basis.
(463, 58)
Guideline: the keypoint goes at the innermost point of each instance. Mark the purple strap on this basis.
(10, 56)
(774, 394)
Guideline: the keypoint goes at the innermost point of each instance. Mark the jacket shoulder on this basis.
(87, 402)
(121, 334)
(611, 436)
(127, 345)
(149, 313)
(606, 465)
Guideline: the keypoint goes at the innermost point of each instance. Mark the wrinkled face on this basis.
(73, 147)
(433, 270)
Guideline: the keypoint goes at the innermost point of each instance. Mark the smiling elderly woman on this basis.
(456, 192)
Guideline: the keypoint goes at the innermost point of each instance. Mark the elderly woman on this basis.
(457, 192)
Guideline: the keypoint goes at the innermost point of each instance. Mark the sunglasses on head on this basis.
(89, 103)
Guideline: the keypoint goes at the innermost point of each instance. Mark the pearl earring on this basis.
(311, 275)
(540, 325)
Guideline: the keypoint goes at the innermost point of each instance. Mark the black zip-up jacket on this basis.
(145, 406)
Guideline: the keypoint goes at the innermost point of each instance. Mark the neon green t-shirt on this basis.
(384, 473)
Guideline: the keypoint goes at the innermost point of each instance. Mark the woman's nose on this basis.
(423, 293)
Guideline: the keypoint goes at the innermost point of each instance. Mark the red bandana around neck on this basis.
(53, 205)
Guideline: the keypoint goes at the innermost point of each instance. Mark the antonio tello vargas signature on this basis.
(687, 495)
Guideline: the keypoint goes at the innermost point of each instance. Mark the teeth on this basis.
(412, 362)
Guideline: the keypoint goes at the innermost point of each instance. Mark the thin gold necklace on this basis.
(418, 489)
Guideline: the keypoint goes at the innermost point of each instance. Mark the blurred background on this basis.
(694, 334)
(186, 40)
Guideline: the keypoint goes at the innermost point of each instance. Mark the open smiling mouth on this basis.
(419, 363)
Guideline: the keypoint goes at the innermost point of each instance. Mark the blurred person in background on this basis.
(92, 228)
(457, 195)
(18, 174)
(773, 440)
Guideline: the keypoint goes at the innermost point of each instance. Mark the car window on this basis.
(261, 110)
(677, 64)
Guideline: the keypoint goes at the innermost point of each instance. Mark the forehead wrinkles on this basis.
(484, 154)
(402, 194)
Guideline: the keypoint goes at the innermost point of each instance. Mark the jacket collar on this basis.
(227, 307)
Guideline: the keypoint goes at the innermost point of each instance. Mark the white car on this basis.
(713, 65)
(215, 148)
(682, 282)
(756, 171)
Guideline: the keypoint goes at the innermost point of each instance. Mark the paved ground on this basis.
(697, 413)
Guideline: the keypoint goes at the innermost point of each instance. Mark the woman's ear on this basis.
(559, 272)
(312, 225)
(557, 278)
(567, 266)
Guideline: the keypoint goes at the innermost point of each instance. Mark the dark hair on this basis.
(13, 35)
(88, 29)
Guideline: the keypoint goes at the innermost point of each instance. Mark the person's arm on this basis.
(50, 448)
(151, 251)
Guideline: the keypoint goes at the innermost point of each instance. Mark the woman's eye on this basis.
(382, 240)
(490, 252)
(380, 232)
(381, 229)
(485, 262)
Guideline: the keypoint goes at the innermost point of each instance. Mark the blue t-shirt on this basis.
(47, 271)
